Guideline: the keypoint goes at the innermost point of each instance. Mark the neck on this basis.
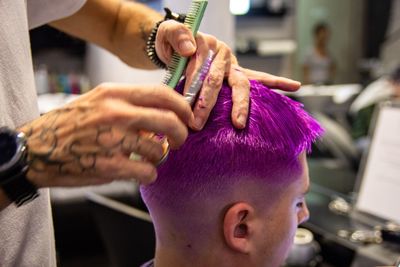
(321, 48)
(168, 257)
(210, 257)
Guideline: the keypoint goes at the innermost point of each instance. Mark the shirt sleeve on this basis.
(41, 12)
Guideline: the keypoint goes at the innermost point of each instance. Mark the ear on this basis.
(238, 226)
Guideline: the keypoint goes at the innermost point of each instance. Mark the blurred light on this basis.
(239, 7)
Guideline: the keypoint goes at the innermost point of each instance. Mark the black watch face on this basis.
(8, 147)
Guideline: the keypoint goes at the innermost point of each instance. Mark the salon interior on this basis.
(346, 53)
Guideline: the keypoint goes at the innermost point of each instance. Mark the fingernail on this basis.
(186, 47)
(242, 120)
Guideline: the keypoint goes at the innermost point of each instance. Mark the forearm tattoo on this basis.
(64, 146)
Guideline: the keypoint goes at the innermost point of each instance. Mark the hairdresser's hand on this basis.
(241, 89)
(174, 36)
(89, 141)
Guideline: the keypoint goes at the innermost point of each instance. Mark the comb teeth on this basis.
(175, 70)
(178, 63)
(167, 78)
(195, 14)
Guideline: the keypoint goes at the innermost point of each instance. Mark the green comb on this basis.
(178, 63)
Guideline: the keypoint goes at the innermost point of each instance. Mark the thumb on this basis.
(177, 36)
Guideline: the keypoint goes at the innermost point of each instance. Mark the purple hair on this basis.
(278, 130)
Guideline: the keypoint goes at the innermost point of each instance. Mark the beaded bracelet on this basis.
(151, 41)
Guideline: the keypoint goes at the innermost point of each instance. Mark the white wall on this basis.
(103, 67)
(217, 20)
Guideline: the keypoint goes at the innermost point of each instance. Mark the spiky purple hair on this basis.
(278, 130)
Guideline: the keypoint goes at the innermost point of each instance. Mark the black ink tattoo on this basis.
(61, 148)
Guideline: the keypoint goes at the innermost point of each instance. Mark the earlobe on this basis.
(237, 226)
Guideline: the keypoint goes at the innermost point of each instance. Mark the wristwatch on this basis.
(14, 167)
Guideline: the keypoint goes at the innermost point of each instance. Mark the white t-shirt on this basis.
(26, 233)
(319, 67)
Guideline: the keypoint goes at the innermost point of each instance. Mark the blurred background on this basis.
(347, 55)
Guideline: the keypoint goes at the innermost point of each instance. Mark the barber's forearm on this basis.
(135, 22)
(121, 27)
(4, 201)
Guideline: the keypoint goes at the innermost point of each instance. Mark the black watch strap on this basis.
(19, 189)
(14, 167)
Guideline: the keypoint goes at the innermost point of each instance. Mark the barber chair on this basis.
(127, 232)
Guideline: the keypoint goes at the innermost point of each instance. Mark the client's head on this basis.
(233, 197)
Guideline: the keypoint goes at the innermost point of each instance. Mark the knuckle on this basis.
(243, 103)
(168, 26)
(111, 112)
(177, 31)
(112, 115)
(200, 37)
(163, 26)
(144, 173)
(108, 106)
(173, 125)
(243, 83)
(103, 89)
(172, 119)
(273, 80)
(234, 61)
(215, 79)
(206, 102)
(226, 48)
(212, 40)
(226, 64)
(149, 174)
